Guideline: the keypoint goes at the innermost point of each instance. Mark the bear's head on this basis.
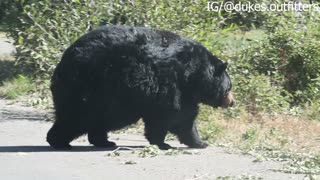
(214, 85)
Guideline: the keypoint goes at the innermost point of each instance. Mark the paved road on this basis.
(6, 47)
(24, 154)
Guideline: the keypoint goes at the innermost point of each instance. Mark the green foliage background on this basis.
(273, 70)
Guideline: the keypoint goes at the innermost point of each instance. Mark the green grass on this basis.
(18, 86)
(312, 111)
(235, 41)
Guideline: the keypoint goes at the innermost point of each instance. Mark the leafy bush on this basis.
(4, 4)
(250, 135)
(259, 95)
(42, 36)
(244, 19)
(312, 110)
(269, 72)
(43, 29)
(289, 55)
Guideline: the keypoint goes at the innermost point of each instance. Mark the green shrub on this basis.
(42, 30)
(312, 110)
(21, 85)
(287, 60)
(47, 28)
(256, 92)
(4, 6)
(298, 59)
(250, 135)
(269, 72)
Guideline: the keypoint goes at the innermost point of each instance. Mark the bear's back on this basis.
(113, 44)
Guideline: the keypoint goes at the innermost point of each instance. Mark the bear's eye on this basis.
(225, 94)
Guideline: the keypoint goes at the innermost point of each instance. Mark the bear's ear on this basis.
(222, 67)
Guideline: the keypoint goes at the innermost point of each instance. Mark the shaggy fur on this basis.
(115, 75)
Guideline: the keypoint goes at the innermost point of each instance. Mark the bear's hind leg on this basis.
(70, 113)
(61, 134)
(70, 117)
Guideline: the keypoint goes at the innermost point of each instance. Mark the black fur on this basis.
(115, 75)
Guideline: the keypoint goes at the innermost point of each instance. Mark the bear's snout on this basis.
(228, 100)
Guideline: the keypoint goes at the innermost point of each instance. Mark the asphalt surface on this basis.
(24, 154)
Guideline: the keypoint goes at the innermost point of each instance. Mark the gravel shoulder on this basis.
(25, 154)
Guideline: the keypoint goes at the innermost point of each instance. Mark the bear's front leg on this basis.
(99, 138)
(156, 128)
(189, 136)
(185, 128)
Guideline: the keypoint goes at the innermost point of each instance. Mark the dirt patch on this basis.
(281, 131)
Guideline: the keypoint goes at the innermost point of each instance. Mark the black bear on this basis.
(113, 76)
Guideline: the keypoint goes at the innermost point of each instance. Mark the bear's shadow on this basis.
(27, 149)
